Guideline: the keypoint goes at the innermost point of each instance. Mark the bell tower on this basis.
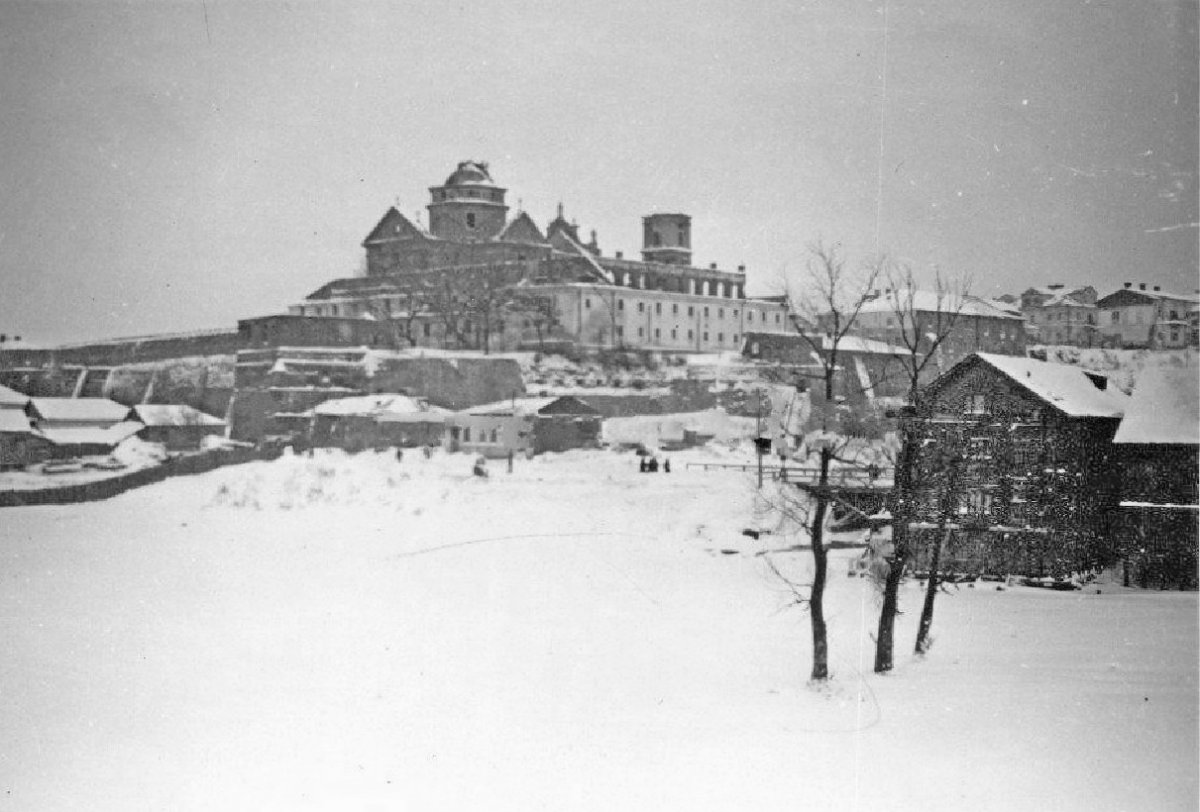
(469, 206)
(667, 238)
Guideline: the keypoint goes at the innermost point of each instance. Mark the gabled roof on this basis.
(394, 226)
(97, 410)
(530, 406)
(1164, 408)
(521, 229)
(173, 414)
(11, 397)
(1073, 391)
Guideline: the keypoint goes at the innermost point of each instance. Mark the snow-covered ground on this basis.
(361, 633)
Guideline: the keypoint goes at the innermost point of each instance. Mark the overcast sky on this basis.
(176, 166)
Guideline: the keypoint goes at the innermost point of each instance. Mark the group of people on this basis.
(651, 465)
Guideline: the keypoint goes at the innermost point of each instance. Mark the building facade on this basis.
(1016, 472)
(659, 303)
(1137, 317)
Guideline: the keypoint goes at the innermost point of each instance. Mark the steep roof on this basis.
(97, 410)
(1070, 389)
(394, 226)
(1164, 408)
(174, 414)
(521, 229)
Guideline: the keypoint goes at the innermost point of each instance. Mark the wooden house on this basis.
(524, 426)
(1015, 468)
(1157, 453)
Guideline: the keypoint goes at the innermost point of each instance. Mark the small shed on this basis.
(20, 444)
(524, 425)
(88, 442)
(175, 425)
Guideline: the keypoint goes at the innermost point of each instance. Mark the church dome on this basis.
(473, 173)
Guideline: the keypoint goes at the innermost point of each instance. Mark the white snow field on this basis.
(346, 633)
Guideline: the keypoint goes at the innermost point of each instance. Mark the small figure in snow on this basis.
(642, 465)
(653, 468)
(666, 466)
(427, 451)
(480, 468)
(399, 455)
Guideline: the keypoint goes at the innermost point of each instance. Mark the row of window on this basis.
(691, 310)
(691, 334)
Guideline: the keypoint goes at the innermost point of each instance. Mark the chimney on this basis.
(1141, 285)
(1157, 288)
(620, 255)
(1128, 285)
(1056, 286)
(712, 266)
(741, 269)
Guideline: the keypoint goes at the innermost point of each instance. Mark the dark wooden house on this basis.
(1157, 454)
(1015, 468)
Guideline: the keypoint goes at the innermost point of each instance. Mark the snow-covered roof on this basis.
(371, 406)
(99, 410)
(14, 420)
(1070, 389)
(174, 414)
(517, 406)
(864, 345)
(925, 301)
(92, 436)
(1164, 408)
(11, 397)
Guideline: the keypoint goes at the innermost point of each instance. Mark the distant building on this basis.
(1064, 319)
(661, 302)
(1033, 298)
(20, 443)
(374, 421)
(979, 325)
(1036, 484)
(1147, 318)
(1158, 454)
(524, 425)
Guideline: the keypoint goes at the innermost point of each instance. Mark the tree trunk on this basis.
(884, 639)
(935, 558)
(901, 512)
(816, 604)
(949, 500)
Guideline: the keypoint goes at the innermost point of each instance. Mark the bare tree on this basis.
(833, 296)
(537, 308)
(402, 309)
(923, 322)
